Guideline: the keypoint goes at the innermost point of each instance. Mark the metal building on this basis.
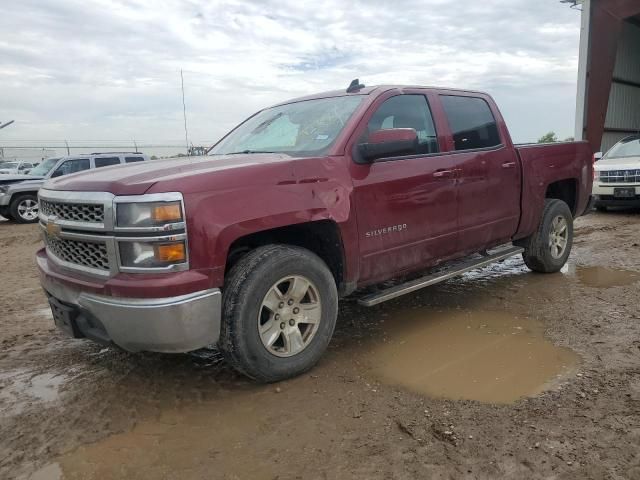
(608, 101)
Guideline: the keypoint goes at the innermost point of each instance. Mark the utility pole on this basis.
(184, 112)
(67, 144)
(135, 145)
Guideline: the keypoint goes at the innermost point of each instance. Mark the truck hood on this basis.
(184, 174)
(618, 163)
(7, 179)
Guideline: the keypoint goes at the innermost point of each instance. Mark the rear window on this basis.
(133, 159)
(471, 121)
(106, 161)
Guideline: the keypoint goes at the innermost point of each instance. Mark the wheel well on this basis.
(564, 190)
(321, 237)
(22, 194)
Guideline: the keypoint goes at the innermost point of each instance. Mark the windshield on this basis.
(303, 128)
(9, 165)
(44, 168)
(627, 147)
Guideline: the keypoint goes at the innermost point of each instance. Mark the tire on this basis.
(541, 250)
(24, 207)
(273, 355)
(601, 208)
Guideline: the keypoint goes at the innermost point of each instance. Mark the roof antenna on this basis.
(354, 86)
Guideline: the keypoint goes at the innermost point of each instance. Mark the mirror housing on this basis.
(597, 156)
(389, 142)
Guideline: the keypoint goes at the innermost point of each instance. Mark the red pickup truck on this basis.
(251, 246)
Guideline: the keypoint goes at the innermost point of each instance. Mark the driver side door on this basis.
(406, 205)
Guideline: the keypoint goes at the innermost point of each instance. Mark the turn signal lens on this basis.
(170, 252)
(170, 212)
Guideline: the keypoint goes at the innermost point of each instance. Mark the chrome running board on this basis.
(458, 268)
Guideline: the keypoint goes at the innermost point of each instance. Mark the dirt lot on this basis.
(420, 387)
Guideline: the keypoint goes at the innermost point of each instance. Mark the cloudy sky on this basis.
(102, 70)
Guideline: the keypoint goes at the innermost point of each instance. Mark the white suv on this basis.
(617, 175)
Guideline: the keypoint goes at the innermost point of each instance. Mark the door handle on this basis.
(508, 164)
(443, 173)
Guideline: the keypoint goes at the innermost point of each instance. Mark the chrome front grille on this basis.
(86, 254)
(75, 212)
(620, 176)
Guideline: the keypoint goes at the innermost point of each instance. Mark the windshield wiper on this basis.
(248, 152)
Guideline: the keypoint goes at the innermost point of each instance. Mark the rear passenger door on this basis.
(488, 176)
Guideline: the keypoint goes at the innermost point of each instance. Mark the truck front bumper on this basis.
(175, 324)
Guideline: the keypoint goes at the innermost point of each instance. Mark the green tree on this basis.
(549, 137)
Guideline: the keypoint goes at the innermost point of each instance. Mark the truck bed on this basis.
(545, 165)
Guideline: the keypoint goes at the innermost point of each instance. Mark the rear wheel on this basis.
(24, 208)
(280, 305)
(548, 249)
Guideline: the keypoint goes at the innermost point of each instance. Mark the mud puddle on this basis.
(237, 435)
(602, 277)
(487, 356)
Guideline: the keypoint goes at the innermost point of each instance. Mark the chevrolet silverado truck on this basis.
(251, 246)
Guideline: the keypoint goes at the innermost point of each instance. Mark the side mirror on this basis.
(597, 156)
(390, 142)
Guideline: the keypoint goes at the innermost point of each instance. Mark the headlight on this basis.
(148, 214)
(152, 254)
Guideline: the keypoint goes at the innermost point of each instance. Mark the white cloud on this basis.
(109, 70)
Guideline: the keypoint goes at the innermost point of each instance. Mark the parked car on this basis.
(17, 167)
(617, 175)
(19, 193)
(251, 247)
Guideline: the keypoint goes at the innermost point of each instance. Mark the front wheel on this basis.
(24, 208)
(280, 305)
(548, 249)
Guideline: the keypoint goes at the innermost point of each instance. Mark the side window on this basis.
(106, 161)
(133, 159)
(72, 166)
(471, 121)
(407, 111)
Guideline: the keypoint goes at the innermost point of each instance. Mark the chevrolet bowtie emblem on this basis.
(53, 229)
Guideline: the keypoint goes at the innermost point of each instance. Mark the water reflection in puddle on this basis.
(486, 356)
(21, 387)
(602, 277)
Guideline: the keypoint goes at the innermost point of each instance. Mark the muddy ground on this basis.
(425, 386)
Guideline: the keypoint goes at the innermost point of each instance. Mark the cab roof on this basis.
(375, 89)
